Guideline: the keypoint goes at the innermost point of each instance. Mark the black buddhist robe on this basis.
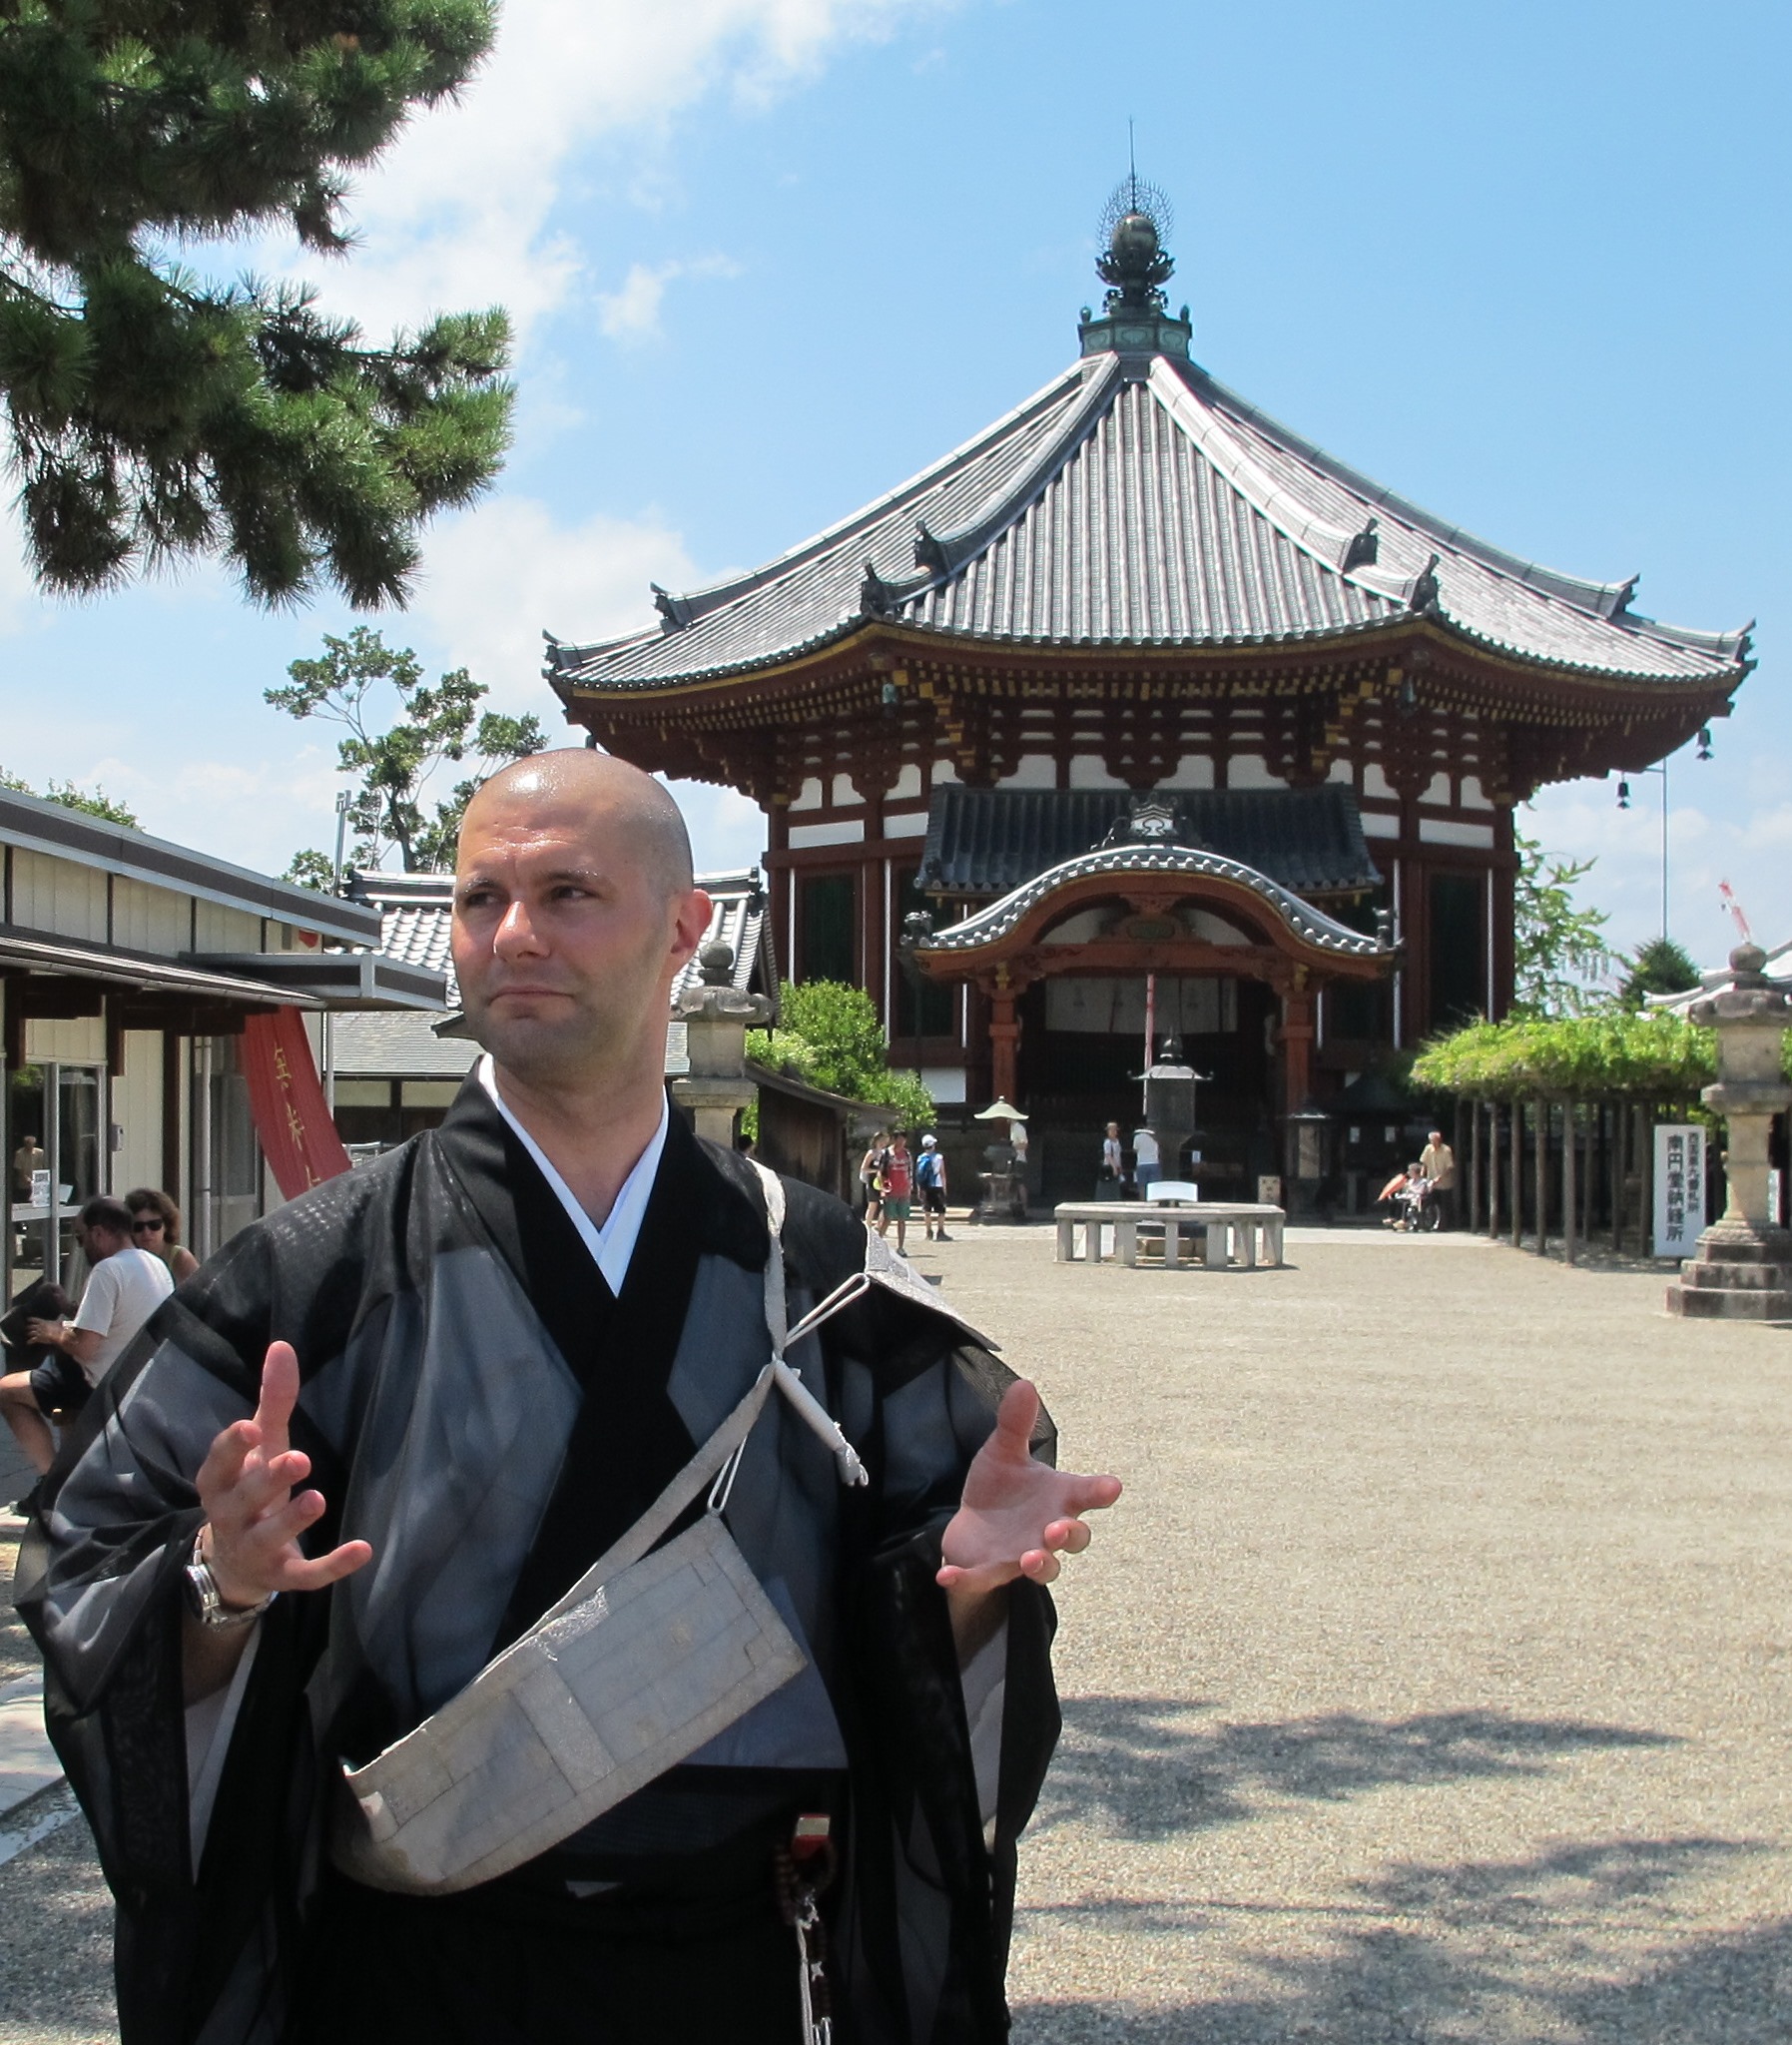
(479, 1408)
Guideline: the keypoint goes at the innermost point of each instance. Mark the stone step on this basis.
(1707, 1303)
(1724, 1276)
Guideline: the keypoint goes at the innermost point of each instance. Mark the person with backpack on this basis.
(930, 1175)
(897, 1173)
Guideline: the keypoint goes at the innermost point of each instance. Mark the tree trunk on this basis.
(1569, 1216)
(1615, 1173)
(1471, 1221)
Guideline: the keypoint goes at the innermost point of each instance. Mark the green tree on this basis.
(829, 1035)
(1659, 967)
(156, 415)
(89, 802)
(443, 723)
(1559, 950)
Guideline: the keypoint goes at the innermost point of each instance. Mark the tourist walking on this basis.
(1145, 1167)
(871, 1178)
(899, 1190)
(156, 1227)
(1438, 1162)
(930, 1177)
(1113, 1156)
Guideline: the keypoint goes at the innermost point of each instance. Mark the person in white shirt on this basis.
(1145, 1167)
(124, 1288)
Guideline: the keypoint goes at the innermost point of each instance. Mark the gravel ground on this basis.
(1432, 1682)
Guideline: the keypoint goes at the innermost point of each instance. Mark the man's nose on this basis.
(516, 931)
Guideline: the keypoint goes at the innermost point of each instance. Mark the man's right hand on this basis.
(254, 1516)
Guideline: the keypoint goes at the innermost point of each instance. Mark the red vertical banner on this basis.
(285, 1096)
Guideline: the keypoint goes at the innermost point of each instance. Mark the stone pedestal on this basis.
(1742, 1269)
(717, 1018)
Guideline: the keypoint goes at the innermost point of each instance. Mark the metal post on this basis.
(1492, 1172)
(202, 1147)
(1568, 1183)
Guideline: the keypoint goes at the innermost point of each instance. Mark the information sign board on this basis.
(1680, 1187)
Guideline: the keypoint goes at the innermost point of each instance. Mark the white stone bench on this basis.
(1225, 1230)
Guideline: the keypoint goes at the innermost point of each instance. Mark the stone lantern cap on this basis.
(1748, 1000)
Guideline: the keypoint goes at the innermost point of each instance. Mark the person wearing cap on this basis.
(930, 1177)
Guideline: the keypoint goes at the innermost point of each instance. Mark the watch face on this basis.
(194, 1583)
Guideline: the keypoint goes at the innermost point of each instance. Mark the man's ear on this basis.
(691, 920)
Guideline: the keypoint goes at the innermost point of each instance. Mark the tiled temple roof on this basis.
(1134, 501)
(984, 842)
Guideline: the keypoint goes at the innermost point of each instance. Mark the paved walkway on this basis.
(1433, 1682)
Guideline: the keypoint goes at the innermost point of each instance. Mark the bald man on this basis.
(465, 1621)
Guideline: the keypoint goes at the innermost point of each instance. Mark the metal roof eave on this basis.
(61, 833)
(342, 980)
(59, 958)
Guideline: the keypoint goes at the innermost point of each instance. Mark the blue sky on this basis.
(1526, 263)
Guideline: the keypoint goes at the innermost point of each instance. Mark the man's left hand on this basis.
(50, 1332)
(1018, 1514)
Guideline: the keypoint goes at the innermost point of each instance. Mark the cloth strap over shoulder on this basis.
(653, 1652)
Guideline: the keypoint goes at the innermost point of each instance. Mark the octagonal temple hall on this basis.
(1138, 688)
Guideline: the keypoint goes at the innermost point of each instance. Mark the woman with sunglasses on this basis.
(156, 1227)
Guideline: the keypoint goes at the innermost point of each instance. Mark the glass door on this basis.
(79, 1100)
(54, 1112)
(28, 1212)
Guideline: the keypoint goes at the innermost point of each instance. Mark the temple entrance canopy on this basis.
(1146, 934)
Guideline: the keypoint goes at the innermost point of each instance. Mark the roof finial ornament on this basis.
(1135, 223)
(1424, 594)
(674, 614)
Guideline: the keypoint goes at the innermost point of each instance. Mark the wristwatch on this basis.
(206, 1602)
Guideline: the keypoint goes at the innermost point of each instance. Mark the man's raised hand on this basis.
(254, 1516)
(1018, 1514)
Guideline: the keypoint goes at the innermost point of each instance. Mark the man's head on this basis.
(929, 1143)
(1436, 1137)
(104, 1227)
(574, 910)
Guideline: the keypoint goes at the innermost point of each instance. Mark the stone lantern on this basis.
(1742, 1269)
(717, 1016)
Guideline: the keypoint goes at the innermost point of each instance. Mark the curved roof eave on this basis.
(1309, 926)
(569, 682)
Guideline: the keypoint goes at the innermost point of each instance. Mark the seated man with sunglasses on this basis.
(124, 1288)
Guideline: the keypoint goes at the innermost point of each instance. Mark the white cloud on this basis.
(497, 575)
(632, 313)
(458, 213)
(1722, 837)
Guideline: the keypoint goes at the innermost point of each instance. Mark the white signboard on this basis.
(1680, 1187)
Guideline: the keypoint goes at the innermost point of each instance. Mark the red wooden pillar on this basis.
(1004, 1040)
(1297, 1044)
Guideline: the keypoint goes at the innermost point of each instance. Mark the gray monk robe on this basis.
(481, 1409)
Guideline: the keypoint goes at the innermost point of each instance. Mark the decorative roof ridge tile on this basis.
(700, 603)
(1310, 924)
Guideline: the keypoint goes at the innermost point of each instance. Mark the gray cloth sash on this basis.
(653, 1652)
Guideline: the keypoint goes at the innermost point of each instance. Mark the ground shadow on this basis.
(1562, 1945)
(1136, 1769)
